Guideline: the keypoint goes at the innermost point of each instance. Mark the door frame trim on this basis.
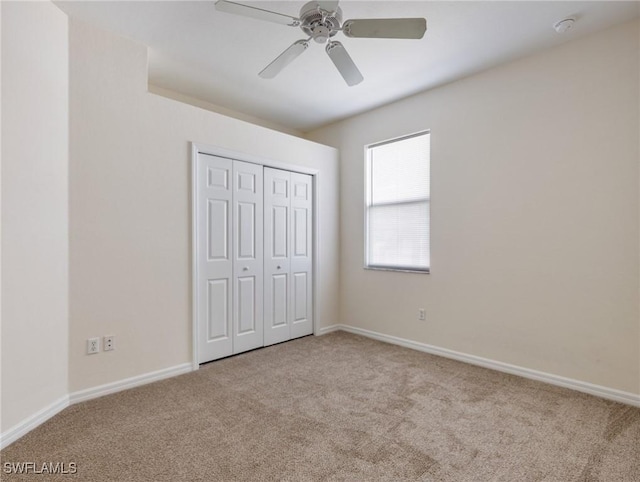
(198, 148)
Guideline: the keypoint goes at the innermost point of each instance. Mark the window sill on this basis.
(399, 270)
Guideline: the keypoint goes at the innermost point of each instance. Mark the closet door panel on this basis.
(301, 289)
(279, 296)
(214, 259)
(246, 294)
(277, 200)
(248, 256)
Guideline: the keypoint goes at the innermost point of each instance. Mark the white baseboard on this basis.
(125, 384)
(329, 329)
(597, 390)
(38, 418)
(31, 422)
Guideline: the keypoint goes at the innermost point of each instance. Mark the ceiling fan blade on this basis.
(406, 28)
(284, 59)
(255, 12)
(344, 64)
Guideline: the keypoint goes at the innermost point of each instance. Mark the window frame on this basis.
(367, 203)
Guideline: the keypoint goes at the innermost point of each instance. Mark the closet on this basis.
(253, 259)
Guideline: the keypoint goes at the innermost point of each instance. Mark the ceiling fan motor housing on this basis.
(319, 24)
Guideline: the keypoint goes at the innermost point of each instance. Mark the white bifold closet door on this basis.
(247, 256)
(253, 255)
(288, 303)
(301, 299)
(230, 257)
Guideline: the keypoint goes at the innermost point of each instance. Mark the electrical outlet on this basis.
(109, 343)
(93, 346)
(422, 314)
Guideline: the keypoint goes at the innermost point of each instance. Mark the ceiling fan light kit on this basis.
(321, 21)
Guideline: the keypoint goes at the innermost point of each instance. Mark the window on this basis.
(397, 204)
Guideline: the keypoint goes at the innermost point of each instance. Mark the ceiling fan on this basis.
(321, 21)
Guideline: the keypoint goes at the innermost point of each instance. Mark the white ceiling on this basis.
(215, 57)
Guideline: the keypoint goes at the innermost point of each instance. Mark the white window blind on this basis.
(397, 204)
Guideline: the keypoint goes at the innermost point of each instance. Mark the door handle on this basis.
(278, 267)
(246, 268)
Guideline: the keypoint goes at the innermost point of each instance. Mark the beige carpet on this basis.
(340, 407)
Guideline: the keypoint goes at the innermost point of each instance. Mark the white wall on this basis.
(130, 219)
(34, 209)
(535, 256)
